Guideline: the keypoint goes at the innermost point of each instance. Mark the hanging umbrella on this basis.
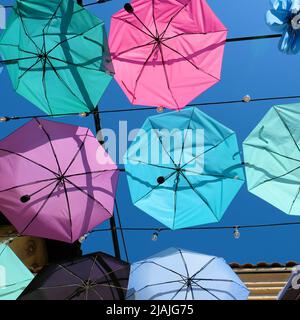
(272, 158)
(166, 53)
(57, 182)
(187, 176)
(57, 55)
(96, 276)
(177, 274)
(14, 276)
(284, 17)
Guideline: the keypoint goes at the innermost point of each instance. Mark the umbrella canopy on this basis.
(177, 274)
(272, 158)
(57, 182)
(58, 55)
(96, 276)
(14, 276)
(166, 52)
(184, 168)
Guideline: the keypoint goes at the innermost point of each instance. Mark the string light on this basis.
(236, 233)
(247, 98)
(160, 109)
(155, 236)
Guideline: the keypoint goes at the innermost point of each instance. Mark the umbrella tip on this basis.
(128, 7)
(160, 180)
(25, 198)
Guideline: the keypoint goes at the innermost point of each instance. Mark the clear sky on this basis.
(257, 68)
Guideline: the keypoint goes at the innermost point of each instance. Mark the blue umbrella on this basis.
(177, 274)
(184, 168)
(14, 276)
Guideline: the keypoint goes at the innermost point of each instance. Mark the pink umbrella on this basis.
(56, 182)
(166, 52)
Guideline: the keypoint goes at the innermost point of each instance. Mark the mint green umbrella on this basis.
(272, 158)
(14, 276)
(57, 55)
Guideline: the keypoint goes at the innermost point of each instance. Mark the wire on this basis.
(86, 114)
(255, 226)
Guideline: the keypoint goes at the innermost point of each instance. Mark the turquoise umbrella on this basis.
(14, 276)
(57, 55)
(272, 158)
(184, 168)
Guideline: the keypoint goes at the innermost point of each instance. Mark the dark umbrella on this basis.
(96, 276)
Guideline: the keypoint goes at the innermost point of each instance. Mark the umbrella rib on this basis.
(207, 290)
(40, 209)
(77, 152)
(71, 273)
(294, 201)
(275, 178)
(59, 286)
(191, 33)
(27, 184)
(163, 267)
(220, 280)
(25, 29)
(166, 73)
(206, 151)
(200, 196)
(98, 294)
(158, 185)
(92, 267)
(142, 69)
(26, 70)
(204, 267)
(159, 139)
(90, 172)
(184, 262)
(64, 82)
(271, 151)
(182, 56)
(88, 195)
(30, 160)
(188, 128)
(176, 294)
(51, 144)
(45, 86)
(212, 175)
(69, 209)
(41, 189)
(172, 18)
(131, 24)
(75, 64)
(153, 285)
(142, 23)
(73, 37)
(175, 197)
(134, 48)
(288, 129)
(154, 19)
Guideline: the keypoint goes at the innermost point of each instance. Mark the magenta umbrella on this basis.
(166, 52)
(56, 182)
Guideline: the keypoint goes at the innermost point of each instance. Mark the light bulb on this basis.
(236, 233)
(83, 114)
(3, 119)
(154, 236)
(247, 98)
(83, 238)
(160, 109)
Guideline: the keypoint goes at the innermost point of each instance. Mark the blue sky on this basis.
(257, 68)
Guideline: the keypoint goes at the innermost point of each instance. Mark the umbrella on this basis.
(177, 274)
(166, 52)
(14, 276)
(57, 182)
(184, 168)
(284, 17)
(97, 276)
(272, 158)
(57, 55)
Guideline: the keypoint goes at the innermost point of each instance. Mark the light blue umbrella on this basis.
(177, 274)
(14, 276)
(184, 168)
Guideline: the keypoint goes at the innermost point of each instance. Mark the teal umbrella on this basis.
(184, 168)
(14, 276)
(57, 55)
(272, 158)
